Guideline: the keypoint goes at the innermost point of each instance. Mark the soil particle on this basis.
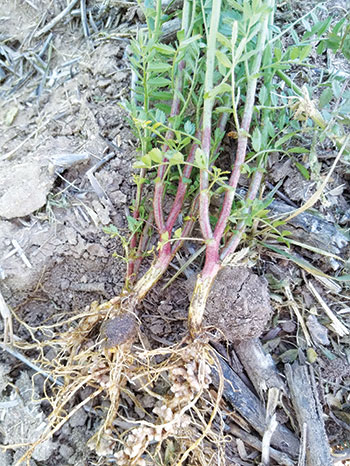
(239, 304)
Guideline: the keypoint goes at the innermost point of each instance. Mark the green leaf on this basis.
(346, 47)
(165, 49)
(158, 67)
(321, 47)
(283, 139)
(156, 155)
(267, 57)
(270, 128)
(336, 88)
(246, 56)
(178, 233)
(189, 127)
(161, 95)
(294, 53)
(298, 150)
(133, 223)
(338, 26)
(303, 170)
(223, 40)
(223, 109)
(289, 356)
(222, 88)
(325, 97)
(223, 59)
(146, 159)
(160, 82)
(263, 95)
(256, 139)
(319, 28)
(160, 116)
(164, 237)
(304, 52)
(185, 43)
(140, 164)
(278, 223)
(200, 159)
(278, 54)
(176, 157)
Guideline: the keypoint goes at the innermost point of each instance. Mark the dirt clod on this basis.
(239, 304)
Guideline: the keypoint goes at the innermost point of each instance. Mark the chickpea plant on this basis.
(220, 70)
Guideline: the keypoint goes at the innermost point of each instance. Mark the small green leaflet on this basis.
(278, 54)
(303, 170)
(200, 159)
(160, 116)
(256, 139)
(165, 49)
(298, 150)
(164, 237)
(174, 157)
(326, 97)
(283, 139)
(159, 67)
(189, 127)
(263, 95)
(161, 82)
(222, 58)
(218, 90)
(133, 223)
(304, 52)
(156, 155)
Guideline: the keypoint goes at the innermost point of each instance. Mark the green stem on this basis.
(212, 261)
(207, 123)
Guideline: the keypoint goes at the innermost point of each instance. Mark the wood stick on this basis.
(280, 458)
(309, 413)
(259, 366)
(251, 409)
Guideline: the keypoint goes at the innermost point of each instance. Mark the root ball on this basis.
(238, 304)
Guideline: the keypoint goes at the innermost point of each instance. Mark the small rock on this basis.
(318, 331)
(118, 197)
(78, 419)
(43, 451)
(288, 326)
(23, 189)
(65, 284)
(71, 236)
(96, 249)
(66, 451)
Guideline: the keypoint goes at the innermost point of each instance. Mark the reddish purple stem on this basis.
(159, 186)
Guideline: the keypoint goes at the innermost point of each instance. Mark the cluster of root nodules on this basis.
(104, 350)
